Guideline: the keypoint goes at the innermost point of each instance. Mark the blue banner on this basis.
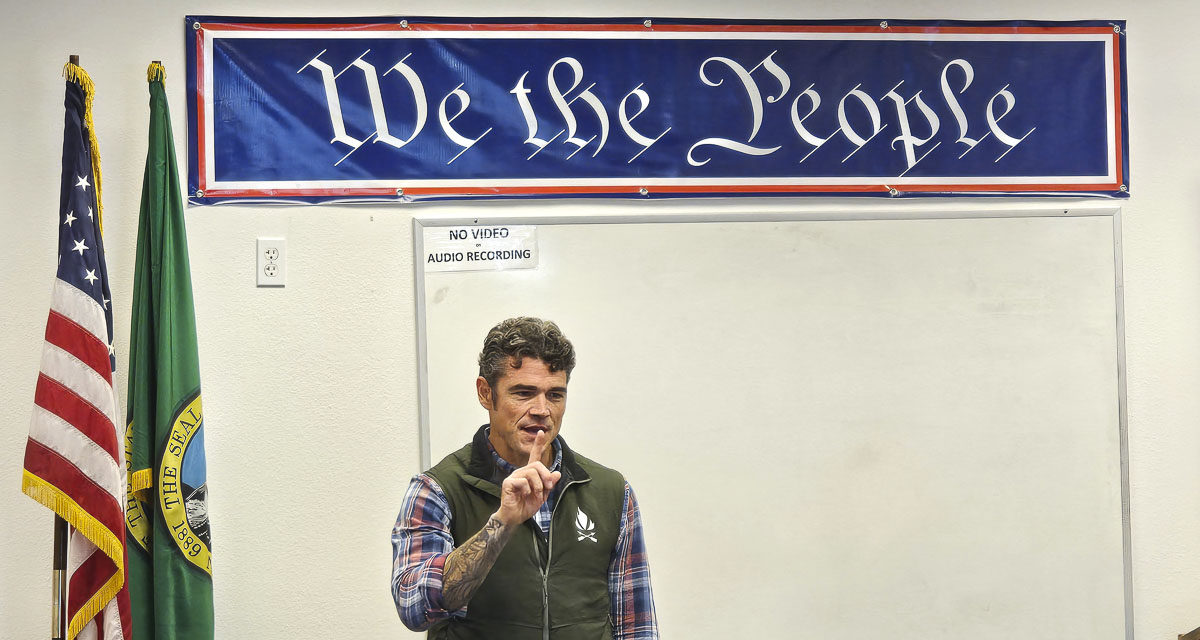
(395, 109)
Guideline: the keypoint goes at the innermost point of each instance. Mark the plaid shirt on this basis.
(421, 540)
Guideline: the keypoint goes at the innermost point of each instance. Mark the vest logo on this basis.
(585, 527)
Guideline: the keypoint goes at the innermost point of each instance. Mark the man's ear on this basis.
(484, 390)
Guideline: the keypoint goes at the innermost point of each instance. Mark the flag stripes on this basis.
(91, 572)
(72, 447)
(78, 307)
(72, 373)
(50, 395)
(63, 333)
(87, 575)
(90, 505)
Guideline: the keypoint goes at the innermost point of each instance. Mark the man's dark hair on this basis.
(517, 338)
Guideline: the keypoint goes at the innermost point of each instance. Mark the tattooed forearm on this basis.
(468, 565)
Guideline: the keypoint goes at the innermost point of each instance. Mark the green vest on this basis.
(538, 589)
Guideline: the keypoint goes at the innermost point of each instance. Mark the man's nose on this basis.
(540, 407)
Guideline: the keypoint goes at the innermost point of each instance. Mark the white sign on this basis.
(482, 248)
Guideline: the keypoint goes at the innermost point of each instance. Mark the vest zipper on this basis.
(545, 567)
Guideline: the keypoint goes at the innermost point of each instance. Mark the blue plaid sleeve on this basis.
(421, 540)
(630, 595)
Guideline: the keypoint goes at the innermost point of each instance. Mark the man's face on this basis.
(524, 402)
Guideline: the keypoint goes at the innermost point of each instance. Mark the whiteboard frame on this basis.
(789, 212)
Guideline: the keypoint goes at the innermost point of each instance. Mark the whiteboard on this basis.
(838, 426)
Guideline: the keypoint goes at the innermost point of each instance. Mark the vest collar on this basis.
(482, 468)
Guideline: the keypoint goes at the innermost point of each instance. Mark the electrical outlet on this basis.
(272, 262)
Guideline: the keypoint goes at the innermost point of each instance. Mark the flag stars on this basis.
(80, 247)
(105, 305)
(70, 219)
(91, 276)
(89, 213)
(82, 181)
(111, 351)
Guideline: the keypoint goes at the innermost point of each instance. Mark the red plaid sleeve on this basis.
(421, 540)
(630, 595)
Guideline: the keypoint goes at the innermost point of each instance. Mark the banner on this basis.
(401, 109)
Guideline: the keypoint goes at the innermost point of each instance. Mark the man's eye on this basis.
(556, 396)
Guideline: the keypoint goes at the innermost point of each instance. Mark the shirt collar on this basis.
(508, 468)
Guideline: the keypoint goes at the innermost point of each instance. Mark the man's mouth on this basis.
(534, 429)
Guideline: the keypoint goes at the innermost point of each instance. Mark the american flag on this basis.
(75, 458)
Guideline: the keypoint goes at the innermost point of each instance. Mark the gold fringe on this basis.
(60, 503)
(95, 604)
(140, 480)
(156, 72)
(75, 73)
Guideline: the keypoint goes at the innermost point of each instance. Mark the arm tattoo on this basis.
(467, 566)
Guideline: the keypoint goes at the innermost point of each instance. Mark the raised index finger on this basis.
(539, 447)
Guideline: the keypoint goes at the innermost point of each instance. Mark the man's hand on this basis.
(524, 492)
(522, 495)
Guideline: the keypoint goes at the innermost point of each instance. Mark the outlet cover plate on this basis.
(271, 264)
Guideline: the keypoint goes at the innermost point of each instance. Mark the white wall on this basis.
(296, 379)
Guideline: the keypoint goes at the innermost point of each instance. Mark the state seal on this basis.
(182, 490)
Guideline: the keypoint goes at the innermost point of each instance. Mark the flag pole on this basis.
(58, 624)
(57, 629)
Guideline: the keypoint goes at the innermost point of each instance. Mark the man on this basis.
(515, 535)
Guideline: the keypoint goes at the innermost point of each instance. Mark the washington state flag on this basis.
(170, 546)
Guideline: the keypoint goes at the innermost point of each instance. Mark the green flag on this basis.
(170, 566)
